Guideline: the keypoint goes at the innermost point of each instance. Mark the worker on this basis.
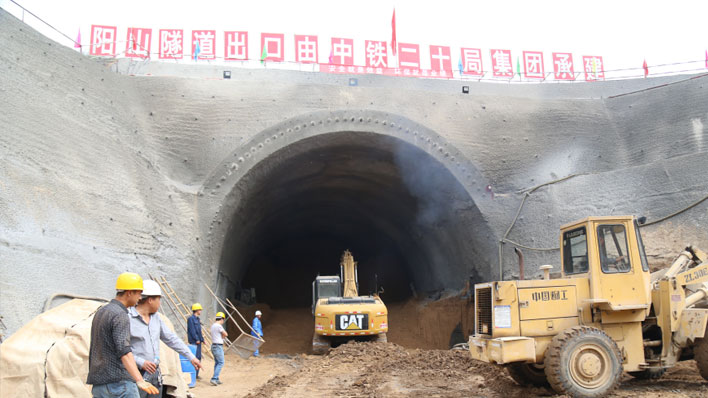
(112, 368)
(194, 331)
(146, 331)
(217, 346)
(257, 328)
(609, 263)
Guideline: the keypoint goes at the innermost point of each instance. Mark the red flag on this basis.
(393, 32)
(706, 58)
(77, 43)
(646, 69)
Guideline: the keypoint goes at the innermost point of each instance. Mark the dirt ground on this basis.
(415, 362)
(363, 369)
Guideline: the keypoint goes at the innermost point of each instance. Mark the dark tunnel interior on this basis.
(398, 210)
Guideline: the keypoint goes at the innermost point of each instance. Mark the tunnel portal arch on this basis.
(283, 207)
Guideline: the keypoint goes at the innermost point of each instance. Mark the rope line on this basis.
(527, 193)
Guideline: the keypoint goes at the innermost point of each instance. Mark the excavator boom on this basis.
(349, 275)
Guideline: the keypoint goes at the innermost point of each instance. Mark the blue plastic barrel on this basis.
(187, 366)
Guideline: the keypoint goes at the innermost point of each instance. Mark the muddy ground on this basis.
(415, 362)
(361, 369)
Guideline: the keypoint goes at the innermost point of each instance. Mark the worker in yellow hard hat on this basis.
(194, 331)
(217, 346)
(112, 368)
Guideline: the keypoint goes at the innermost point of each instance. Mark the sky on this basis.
(624, 33)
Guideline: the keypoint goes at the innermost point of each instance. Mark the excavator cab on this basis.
(325, 287)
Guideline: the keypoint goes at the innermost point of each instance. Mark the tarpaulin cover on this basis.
(48, 357)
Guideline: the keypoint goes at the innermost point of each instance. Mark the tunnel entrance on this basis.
(404, 216)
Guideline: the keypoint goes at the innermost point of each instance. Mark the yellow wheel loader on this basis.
(341, 314)
(605, 314)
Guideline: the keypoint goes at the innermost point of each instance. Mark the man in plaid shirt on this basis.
(112, 368)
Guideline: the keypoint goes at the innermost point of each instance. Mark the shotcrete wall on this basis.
(176, 172)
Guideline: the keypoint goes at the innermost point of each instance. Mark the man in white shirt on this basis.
(146, 331)
(217, 346)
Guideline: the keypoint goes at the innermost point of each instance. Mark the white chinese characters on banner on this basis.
(594, 68)
(103, 40)
(440, 59)
(563, 66)
(501, 63)
(376, 54)
(342, 52)
(533, 65)
(306, 49)
(409, 56)
(207, 44)
(171, 43)
(174, 44)
(472, 61)
(138, 43)
(236, 46)
(272, 47)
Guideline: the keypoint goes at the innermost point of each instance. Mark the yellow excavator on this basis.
(341, 314)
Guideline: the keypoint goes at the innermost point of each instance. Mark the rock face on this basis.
(264, 179)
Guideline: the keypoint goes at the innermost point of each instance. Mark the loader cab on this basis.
(609, 252)
(325, 287)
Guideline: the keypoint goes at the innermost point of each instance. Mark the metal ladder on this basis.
(181, 311)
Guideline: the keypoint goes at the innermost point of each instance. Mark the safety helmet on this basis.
(196, 307)
(151, 288)
(220, 315)
(258, 313)
(129, 281)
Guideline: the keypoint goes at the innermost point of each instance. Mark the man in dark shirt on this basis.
(112, 368)
(194, 330)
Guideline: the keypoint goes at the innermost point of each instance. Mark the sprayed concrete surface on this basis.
(262, 180)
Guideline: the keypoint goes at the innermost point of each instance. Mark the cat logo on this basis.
(352, 321)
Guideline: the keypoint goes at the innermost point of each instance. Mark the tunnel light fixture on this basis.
(227, 74)
(465, 89)
(353, 81)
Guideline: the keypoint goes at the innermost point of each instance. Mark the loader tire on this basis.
(700, 354)
(528, 374)
(320, 345)
(583, 361)
(648, 374)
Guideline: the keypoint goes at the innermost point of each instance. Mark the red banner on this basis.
(533, 65)
(376, 54)
(472, 61)
(171, 43)
(235, 46)
(563, 66)
(594, 68)
(440, 58)
(103, 40)
(342, 52)
(405, 72)
(501, 63)
(306, 49)
(202, 45)
(206, 39)
(138, 43)
(409, 56)
(272, 47)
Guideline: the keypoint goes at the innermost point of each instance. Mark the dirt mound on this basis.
(365, 369)
(415, 323)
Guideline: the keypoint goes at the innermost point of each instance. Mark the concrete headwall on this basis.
(102, 171)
